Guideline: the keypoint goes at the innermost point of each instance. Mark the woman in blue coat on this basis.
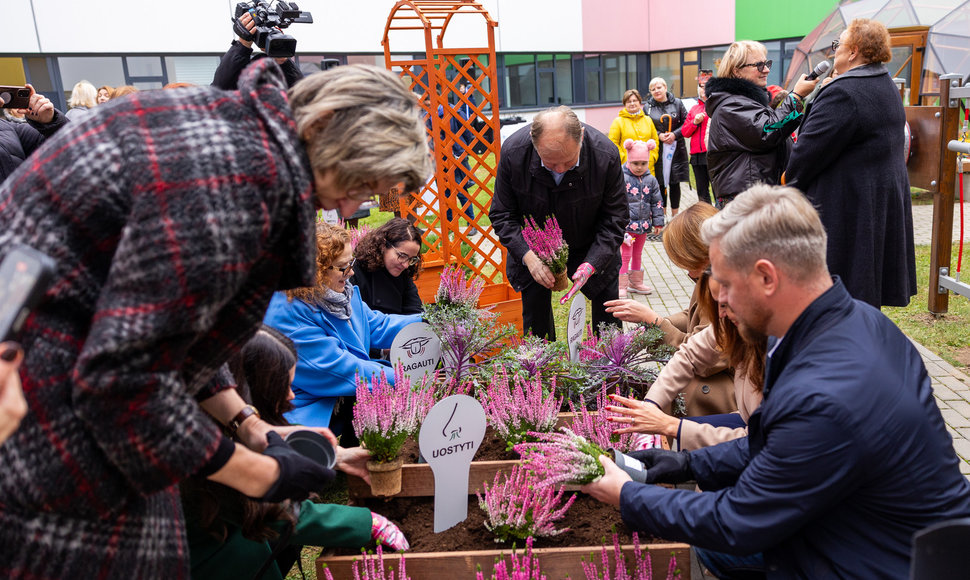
(334, 331)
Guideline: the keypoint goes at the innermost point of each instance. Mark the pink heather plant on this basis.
(596, 428)
(385, 416)
(643, 567)
(547, 243)
(516, 406)
(356, 234)
(562, 458)
(454, 288)
(525, 568)
(372, 568)
(516, 508)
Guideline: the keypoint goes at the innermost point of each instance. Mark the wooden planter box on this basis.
(555, 563)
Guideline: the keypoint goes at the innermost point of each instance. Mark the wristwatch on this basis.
(243, 414)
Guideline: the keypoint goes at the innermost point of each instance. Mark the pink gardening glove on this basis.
(386, 533)
(583, 272)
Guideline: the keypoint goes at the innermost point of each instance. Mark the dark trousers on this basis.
(674, 194)
(703, 181)
(463, 202)
(537, 317)
(730, 567)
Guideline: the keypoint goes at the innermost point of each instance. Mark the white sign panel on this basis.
(575, 325)
(449, 438)
(418, 350)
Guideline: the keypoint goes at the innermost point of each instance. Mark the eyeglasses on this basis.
(762, 65)
(835, 45)
(343, 271)
(411, 260)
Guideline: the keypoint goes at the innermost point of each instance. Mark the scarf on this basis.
(337, 303)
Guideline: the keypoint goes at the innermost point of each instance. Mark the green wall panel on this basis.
(766, 20)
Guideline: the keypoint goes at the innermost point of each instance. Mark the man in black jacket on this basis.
(557, 166)
(19, 140)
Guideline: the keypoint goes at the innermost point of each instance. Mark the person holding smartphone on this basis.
(19, 140)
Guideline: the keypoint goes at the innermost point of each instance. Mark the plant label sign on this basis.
(417, 349)
(575, 324)
(449, 438)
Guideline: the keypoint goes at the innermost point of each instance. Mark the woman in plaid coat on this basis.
(172, 216)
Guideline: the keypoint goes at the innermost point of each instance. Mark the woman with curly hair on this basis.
(388, 261)
(334, 331)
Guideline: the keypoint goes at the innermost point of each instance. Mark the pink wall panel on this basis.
(616, 25)
(601, 117)
(687, 23)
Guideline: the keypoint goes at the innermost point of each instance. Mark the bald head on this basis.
(557, 136)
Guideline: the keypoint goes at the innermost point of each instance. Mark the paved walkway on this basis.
(672, 290)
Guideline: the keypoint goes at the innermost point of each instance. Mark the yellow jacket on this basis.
(638, 127)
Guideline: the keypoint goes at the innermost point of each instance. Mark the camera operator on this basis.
(19, 140)
(240, 54)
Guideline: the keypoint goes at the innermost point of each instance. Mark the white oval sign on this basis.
(418, 349)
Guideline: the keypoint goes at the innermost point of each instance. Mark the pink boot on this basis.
(624, 282)
(636, 285)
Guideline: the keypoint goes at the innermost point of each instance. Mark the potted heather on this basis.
(516, 406)
(384, 417)
(549, 246)
(562, 458)
(516, 507)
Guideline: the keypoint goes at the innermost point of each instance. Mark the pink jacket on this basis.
(697, 133)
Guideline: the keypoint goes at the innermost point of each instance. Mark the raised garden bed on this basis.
(458, 552)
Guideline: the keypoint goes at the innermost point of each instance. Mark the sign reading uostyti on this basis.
(449, 438)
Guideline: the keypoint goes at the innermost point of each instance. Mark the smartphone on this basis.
(25, 275)
(14, 97)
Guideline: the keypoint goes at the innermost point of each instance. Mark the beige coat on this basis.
(710, 391)
(697, 356)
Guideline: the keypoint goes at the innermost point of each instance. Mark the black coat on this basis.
(589, 204)
(239, 57)
(19, 140)
(849, 161)
(748, 141)
(678, 113)
(386, 293)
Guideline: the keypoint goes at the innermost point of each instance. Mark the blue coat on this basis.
(845, 459)
(332, 352)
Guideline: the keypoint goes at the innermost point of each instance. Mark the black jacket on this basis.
(386, 293)
(748, 141)
(849, 162)
(589, 204)
(238, 57)
(19, 140)
(678, 114)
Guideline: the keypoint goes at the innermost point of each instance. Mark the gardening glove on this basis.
(665, 466)
(298, 474)
(583, 272)
(384, 532)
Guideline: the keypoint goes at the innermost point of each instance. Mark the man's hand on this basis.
(353, 461)
(665, 466)
(39, 108)
(580, 277)
(607, 488)
(540, 272)
(632, 311)
(244, 27)
(641, 417)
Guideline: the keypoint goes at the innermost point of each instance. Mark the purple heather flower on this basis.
(515, 405)
(517, 507)
(562, 458)
(385, 415)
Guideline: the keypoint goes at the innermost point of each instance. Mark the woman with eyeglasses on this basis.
(748, 140)
(862, 196)
(388, 261)
(334, 331)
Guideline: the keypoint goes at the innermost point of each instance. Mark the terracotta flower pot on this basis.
(385, 478)
(562, 281)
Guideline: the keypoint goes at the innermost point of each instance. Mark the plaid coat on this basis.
(173, 216)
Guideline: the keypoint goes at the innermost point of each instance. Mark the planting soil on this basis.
(491, 449)
(590, 523)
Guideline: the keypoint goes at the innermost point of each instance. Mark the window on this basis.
(520, 71)
(197, 70)
(592, 69)
(564, 79)
(614, 76)
(711, 57)
(666, 65)
(99, 71)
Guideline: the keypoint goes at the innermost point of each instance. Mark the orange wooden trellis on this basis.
(437, 77)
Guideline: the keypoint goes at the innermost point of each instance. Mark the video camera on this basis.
(270, 19)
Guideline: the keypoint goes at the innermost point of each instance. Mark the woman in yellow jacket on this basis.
(632, 123)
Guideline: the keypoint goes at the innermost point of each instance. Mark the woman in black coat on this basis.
(849, 161)
(748, 140)
(661, 104)
(388, 261)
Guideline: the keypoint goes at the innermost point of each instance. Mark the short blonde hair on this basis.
(774, 223)
(83, 95)
(736, 55)
(655, 80)
(331, 242)
(363, 123)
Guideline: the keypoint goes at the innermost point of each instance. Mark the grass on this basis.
(945, 334)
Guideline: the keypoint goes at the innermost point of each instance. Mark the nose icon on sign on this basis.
(455, 431)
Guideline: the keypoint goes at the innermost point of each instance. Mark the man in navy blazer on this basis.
(846, 457)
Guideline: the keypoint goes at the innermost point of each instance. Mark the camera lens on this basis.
(23, 92)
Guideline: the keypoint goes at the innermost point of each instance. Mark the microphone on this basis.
(819, 70)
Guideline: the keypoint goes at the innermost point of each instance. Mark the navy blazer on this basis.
(845, 459)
